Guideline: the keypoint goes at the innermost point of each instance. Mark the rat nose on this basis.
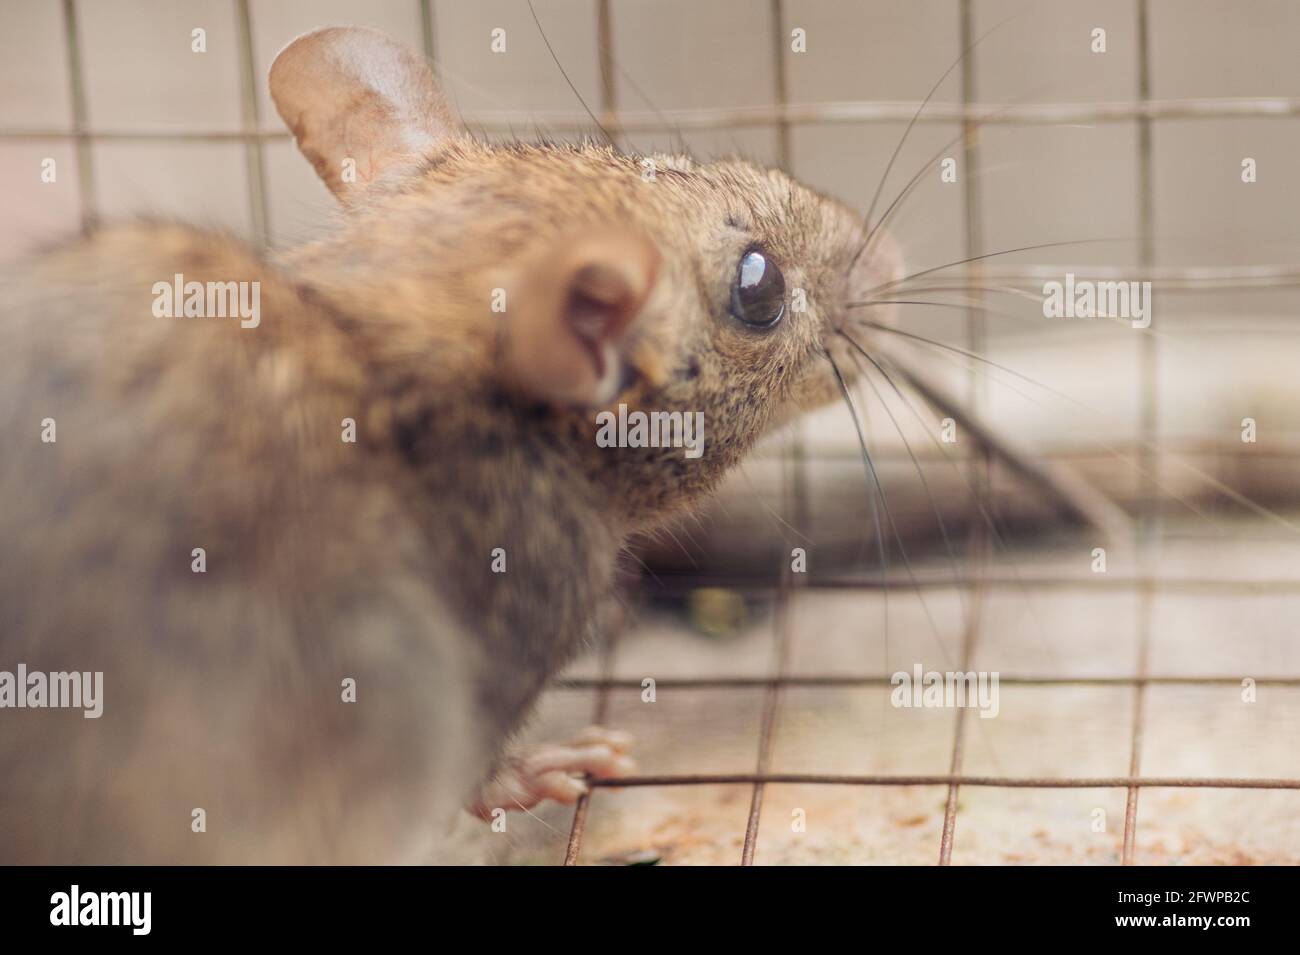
(872, 261)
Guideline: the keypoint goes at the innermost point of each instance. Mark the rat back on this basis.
(181, 514)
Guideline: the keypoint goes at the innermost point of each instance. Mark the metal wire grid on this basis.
(1143, 112)
(782, 116)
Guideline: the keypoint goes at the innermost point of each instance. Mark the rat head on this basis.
(665, 313)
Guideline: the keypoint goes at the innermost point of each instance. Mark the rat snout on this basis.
(868, 288)
(874, 262)
(869, 262)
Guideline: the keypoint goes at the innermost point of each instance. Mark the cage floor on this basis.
(1068, 654)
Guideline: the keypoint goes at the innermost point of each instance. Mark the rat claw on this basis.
(561, 787)
(556, 772)
(615, 739)
(598, 760)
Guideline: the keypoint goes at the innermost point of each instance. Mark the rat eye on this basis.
(758, 294)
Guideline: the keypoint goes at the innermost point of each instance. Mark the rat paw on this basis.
(533, 774)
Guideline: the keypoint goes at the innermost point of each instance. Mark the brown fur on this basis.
(371, 560)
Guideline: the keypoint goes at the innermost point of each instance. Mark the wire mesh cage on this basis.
(1128, 685)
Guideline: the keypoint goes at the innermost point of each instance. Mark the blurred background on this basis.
(773, 690)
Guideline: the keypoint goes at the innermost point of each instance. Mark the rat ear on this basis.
(358, 103)
(568, 314)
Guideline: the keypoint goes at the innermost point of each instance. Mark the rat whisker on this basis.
(895, 283)
(520, 806)
(866, 222)
(629, 551)
(930, 164)
(992, 289)
(780, 519)
(870, 474)
(999, 541)
(609, 140)
(962, 594)
(680, 140)
(683, 527)
(889, 517)
(968, 305)
(880, 326)
(1057, 485)
(1109, 449)
(1236, 496)
(974, 366)
(916, 464)
(976, 498)
(1107, 321)
(664, 531)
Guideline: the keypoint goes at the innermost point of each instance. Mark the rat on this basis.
(326, 556)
